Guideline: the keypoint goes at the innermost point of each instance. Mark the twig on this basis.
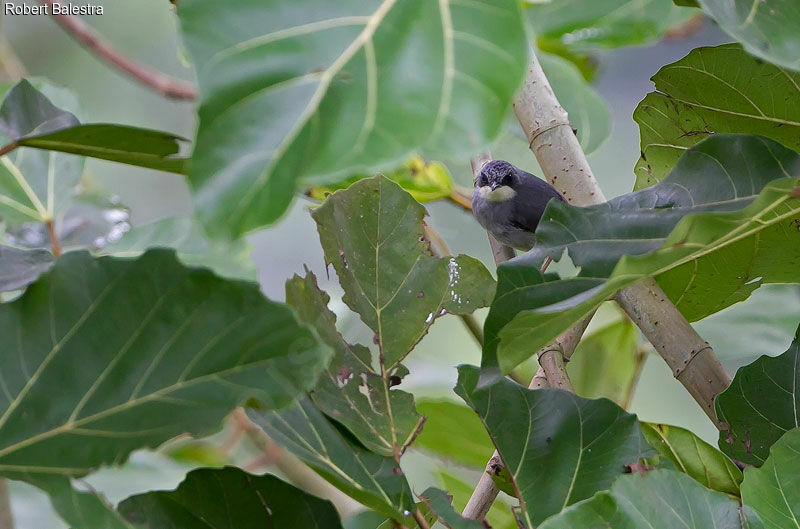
(81, 32)
(553, 142)
(421, 521)
(440, 249)
(6, 516)
(56, 245)
(461, 197)
(9, 61)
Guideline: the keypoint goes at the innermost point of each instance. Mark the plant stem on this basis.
(54, 242)
(553, 142)
(421, 521)
(9, 61)
(162, 83)
(6, 515)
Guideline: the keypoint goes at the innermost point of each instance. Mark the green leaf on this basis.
(383, 419)
(760, 405)
(425, 182)
(372, 233)
(715, 230)
(140, 351)
(374, 480)
(613, 351)
(19, 267)
(81, 510)
(146, 148)
(230, 498)
(186, 235)
(453, 431)
(663, 499)
(773, 490)
(36, 186)
(587, 111)
(770, 30)
(324, 90)
(604, 23)
(573, 447)
(693, 456)
(440, 503)
(714, 90)
(499, 515)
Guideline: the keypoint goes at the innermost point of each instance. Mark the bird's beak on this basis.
(494, 185)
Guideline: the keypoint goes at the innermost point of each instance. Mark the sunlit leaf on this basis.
(559, 448)
(230, 498)
(760, 405)
(372, 233)
(695, 457)
(773, 490)
(350, 391)
(140, 351)
(454, 432)
(374, 480)
(714, 90)
(715, 230)
(320, 91)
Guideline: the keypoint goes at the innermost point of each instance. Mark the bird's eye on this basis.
(508, 179)
(483, 181)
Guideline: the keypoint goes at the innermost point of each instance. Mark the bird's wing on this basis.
(531, 201)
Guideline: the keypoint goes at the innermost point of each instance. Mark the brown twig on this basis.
(81, 32)
(9, 61)
(421, 521)
(54, 242)
(461, 198)
(8, 148)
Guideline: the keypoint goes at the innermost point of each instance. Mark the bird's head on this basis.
(497, 181)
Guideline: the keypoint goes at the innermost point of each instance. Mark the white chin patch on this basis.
(501, 194)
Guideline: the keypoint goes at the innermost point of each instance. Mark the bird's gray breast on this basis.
(495, 217)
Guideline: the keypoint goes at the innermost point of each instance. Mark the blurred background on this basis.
(146, 31)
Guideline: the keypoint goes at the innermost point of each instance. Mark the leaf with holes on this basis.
(569, 449)
(19, 267)
(376, 481)
(372, 233)
(186, 235)
(773, 490)
(230, 498)
(769, 30)
(710, 91)
(718, 227)
(350, 391)
(693, 456)
(662, 499)
(318, 91)
(140, 351)
(760, 405)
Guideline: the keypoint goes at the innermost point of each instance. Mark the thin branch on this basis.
(85, 35)
(8, 148)
(6, 515)
(9, 61)
(421, 521)
(553, 142)
(461, 197)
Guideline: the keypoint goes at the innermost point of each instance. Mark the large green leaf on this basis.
(714, 90)
(186, 235)
(760, 405)
(613, 351)
(140, 351)
(604, 23)
(350, 391)
(20, 267)
(663, 499)
(569, 449)
(714, 231)
(230, 498)
(453, 432)
(374, 480)
(36, 186)
(773, 490)
(319, 90)
(372, 233)
(81, 510)
(695, 457)
(768, 29)
(587, 111)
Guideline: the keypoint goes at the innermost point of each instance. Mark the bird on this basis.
(509, 202)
